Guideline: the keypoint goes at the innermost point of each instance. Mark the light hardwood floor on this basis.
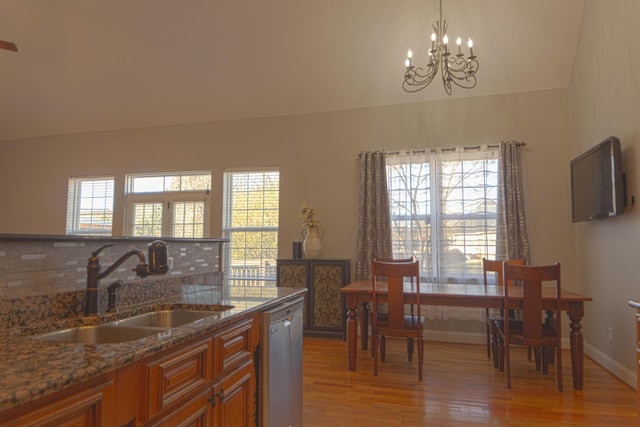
(460, 387)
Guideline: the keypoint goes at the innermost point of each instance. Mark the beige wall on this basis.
(317, 156)
(604, 92)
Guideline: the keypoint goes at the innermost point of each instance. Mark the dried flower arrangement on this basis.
(309, 216)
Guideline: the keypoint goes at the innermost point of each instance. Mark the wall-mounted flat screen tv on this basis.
(597, 182)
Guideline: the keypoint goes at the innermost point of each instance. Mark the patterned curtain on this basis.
(374, 229)
(512, 241)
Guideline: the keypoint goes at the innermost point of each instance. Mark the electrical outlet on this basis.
(610, 333)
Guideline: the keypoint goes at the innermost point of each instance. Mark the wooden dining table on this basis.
(359, 293)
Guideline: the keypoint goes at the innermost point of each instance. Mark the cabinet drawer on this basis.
(173, 377)
(195, 413)
(234, 345)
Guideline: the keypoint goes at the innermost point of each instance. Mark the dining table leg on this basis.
(576, 313)
(352, 330)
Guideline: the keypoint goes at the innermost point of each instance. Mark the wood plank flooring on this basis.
(460, 387)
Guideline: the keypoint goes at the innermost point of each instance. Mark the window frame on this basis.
(434, 215)
(168, 200)
(74, 202)
(266, 274)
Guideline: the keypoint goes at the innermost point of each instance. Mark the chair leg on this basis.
(490, 332)
(558, 365)
(500, 353)
(545, 360)
(494, 346)
(552, 351)
(537, 357)
(374, 352)
(420, 358)
(507, 363)
(383, 347)
(409, 349)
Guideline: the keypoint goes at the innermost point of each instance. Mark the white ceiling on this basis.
(96, 65)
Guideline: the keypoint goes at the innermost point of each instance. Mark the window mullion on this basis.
(436, 225)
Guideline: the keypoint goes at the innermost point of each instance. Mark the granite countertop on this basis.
(35, 368)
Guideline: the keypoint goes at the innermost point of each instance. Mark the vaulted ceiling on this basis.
(98, 65)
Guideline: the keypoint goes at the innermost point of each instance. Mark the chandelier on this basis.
(455, 68)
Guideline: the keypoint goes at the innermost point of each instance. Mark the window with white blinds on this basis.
(444, 210)
(172, 205)
(250, 222)
(90, 206)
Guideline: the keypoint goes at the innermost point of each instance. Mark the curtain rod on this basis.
(453, 149)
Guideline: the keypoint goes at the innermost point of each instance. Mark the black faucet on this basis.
(157, 255)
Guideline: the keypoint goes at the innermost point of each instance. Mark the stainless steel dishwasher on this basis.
(281, 366)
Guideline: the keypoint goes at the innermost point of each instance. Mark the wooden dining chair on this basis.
(382, 341)
(490, 266)
(543, 336)
(389, 278)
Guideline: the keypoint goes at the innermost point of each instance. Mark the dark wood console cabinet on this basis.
(324, 305)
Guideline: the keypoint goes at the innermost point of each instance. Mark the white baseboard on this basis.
(625, 374)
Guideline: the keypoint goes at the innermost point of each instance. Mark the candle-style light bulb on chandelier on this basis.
(455, 68)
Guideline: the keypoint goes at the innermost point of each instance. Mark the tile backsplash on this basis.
(47, 277)
(31, 267)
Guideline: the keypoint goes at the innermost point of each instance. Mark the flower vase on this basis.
(312, 243)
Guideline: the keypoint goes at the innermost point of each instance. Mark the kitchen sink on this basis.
(166, 318)
(98, 334)
(158, 323)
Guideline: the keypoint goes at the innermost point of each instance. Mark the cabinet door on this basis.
(84, 409)
(294, 273)
(234, 345)
(176, 375)
(326, 303)
(195, 413)
(235, 398)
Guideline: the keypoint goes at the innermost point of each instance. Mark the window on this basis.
(444, 210)
(250, 222)
(90, 206)
(172, 205)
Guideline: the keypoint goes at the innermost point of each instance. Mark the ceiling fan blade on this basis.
(8, 46)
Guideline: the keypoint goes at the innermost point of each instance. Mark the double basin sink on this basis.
(158, 323)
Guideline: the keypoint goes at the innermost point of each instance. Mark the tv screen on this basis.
(597, 189)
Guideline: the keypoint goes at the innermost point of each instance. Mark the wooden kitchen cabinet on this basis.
(324, 311)
(208, 381)
(234, 392)
(84, 406)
